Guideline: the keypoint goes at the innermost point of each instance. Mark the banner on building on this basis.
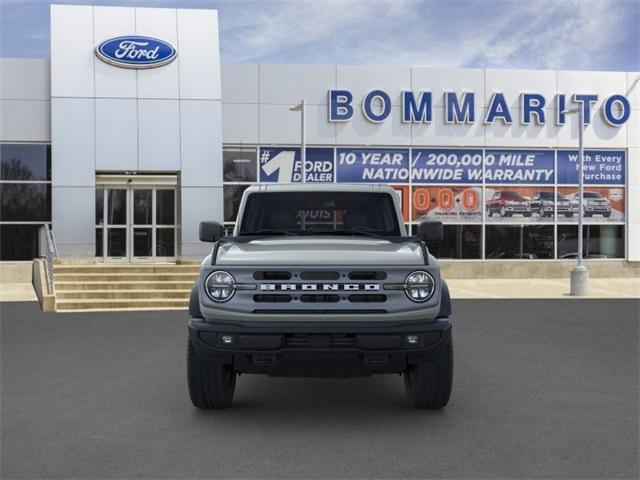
(600, 167)
(284, 165)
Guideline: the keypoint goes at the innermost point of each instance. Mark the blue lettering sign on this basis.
(385, 106)
(601, 167)
(613, 119)
(372, 165)
(420, 112)
(561, 101)
(532, 105)
(498, 109)
(447, 166)
(518, 167)
(585, 101)
(134, 51)
(454, 112)
(283, 165)
(340, 109)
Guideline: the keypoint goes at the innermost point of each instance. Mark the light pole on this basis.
(303, 136)
(580, 274)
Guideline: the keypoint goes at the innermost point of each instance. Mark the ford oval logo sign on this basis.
(134, 51)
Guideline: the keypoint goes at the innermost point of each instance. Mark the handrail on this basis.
(50, 251)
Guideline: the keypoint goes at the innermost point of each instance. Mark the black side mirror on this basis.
(211, 231)
(430, 231)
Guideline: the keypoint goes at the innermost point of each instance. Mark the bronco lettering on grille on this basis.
(324, 287)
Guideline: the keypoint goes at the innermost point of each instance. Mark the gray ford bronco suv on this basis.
(320, 281)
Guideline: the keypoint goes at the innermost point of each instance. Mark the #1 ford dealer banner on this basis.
(283, 165)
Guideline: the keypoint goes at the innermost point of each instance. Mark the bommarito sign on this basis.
(460, 108)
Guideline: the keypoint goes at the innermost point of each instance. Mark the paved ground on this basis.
(543, 389)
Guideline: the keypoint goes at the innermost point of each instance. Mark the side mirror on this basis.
(430, 231)
(211, 231)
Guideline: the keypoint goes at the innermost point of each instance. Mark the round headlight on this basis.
(419, 286)
(220, 286)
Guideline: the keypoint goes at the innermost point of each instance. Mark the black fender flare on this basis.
(445, 301)
(194, 302)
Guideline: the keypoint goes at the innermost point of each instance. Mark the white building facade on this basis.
(123, 163)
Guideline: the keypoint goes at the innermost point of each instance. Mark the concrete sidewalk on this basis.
(542, 288)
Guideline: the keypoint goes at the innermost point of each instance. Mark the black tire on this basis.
(211, 385)
(606, 214)
(428, 384)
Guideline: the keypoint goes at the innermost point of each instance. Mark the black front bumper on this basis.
(319, 350)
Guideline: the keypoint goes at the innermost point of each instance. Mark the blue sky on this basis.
(546, 34)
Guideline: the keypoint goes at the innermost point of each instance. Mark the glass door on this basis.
(115, 240)
(136, 223)
(141, 226)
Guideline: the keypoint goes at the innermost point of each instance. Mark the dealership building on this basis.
(123, 161)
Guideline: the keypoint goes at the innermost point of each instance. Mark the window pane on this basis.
(99, 206)
(117, 242)
(142, 206)
(599, 241)
(232, 196)
(165, 242)
(460, 241)
(99, 242)
(117, 207)
(165, 207)
(519, 241)
(239, 164)
(18, 242)
(142, 242)
(25, 162)
(25, 202)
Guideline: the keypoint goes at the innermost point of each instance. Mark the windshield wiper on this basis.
(269, 232)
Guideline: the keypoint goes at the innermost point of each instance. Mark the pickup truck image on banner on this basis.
(601, 205)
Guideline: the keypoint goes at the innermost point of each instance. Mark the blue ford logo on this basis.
(134, 51)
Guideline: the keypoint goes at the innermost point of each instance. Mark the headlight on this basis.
(220, 286)
(419, 286)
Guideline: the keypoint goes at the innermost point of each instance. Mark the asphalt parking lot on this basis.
(542, 389)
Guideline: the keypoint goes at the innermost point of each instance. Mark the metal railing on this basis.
(48, 250)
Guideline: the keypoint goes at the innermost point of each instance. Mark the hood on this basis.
(320, 251)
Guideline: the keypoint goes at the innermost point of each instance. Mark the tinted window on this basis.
(519, 242)
(25, 202)
(25, 162)
(599, 241)
(545, 195)
(591, 195)
(232, 196)
(460, 241)
(239, 164)
(321, 212)
(18, 242)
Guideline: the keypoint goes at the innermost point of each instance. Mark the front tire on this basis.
(211, 385)
(428, 384)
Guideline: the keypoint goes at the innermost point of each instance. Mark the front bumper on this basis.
(319, 350)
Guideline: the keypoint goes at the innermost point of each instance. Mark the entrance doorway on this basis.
(136, 218)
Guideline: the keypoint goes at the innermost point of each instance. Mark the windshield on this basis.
(592, 195)
(512, 196)
(546, 195)
(318, 213)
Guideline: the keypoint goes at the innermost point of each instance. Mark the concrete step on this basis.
(119, 304)
(62, 286)
(125, 268)
(122, 294)
(122, 277)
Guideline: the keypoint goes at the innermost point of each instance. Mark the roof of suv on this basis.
(320, 187)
